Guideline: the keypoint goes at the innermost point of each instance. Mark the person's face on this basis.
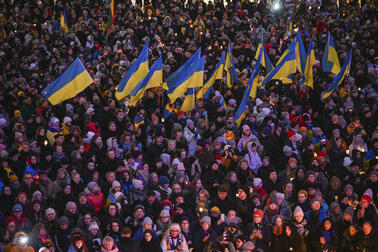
(185, 225)
(72, 209)
(28, 179)
(112, 127)
(241, 194)
(174, 232)
(311, 178)
(231, 214)
(202, 197)
(273, 176)
(257, 219)
(352, 230)
(79, 243)
(115, 226)
(278, 222)
(108, 245)
(222, 195)
(148, 237)
(244, 166)
(76, 178)
(111, 155)
(327, 225)
(164, 219)
(367, 228)
(37, 207)
(373, 178)
(364, 203)
(50, 216)
(67, 190)
(205, 226)
(315, 205)
(64, 226)
(42, 232)
(139, 213)
(112, 210)
(110, 178)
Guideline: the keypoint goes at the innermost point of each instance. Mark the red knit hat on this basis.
(290, 134)
(322, 154)
(259, 213)
(366, 197)
(218, 157)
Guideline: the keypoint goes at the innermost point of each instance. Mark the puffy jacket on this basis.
(96, 200)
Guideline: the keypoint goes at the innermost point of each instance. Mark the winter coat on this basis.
(266, 231)
(351, 243)
(129, 244)
(370, 242)
(199, 245)
(138, 236)
(136, 196)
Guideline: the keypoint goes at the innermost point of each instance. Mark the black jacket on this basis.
(128, 244)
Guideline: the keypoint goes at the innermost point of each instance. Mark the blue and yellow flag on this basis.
(301, 53)
(330, 62)
(168, 110)
(286, 65)
(139, 120)
(340, 76)
(240, 112)
(153, 79)
(189, 102)
(63, 21)
(136, 72)
(230, 67)
(310, 62)
(172, 79)
(216, 75)
(256, 75)
(74, 80)
(193, 77)
(265, 60)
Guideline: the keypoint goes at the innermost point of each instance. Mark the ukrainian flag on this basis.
(193, 77)
(256, 75)
(301, 53)
(139, 120)
(230, 67)
(310, 62)
(172, 79)
(217, 75)
(285, 66)
(63, 21)
(330, 62)
(240, 112)
(136, 72)
(74, 80)
(189, 102)
(340, 76)
(265, 60)
(153, 79)
(168, 110)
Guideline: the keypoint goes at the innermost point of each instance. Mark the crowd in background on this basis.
(298, 174)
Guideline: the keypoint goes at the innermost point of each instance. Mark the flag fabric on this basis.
(230, 67)
(265, 60)
(330, 62)
(63, 21)
(71, 82)
(139, 120)
(168, 110)
(301, 54)
(310, 62)
(240, 112)
(291, 24)
(112, 16)
(193, 77)
(340, 76)
(216, 75)
(286, 65)
(136, 72)
(172, 79)
(256, 75)
(153, 79)
(189, 102)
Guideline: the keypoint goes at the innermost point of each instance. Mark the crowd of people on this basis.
(92, 174)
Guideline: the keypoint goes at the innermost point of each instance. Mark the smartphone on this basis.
(222, 216)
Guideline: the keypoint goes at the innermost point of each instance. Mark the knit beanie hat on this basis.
(147, 220)
(117, 195)
(257, 181)
(91, 185)
(165, 213)
(50, 211)
(137, 183)
(206, 219)
(349, 211)
(115, 184)
(298, 211)
(93, 225)
(63, 220)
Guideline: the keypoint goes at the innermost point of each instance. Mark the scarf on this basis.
(327, 235)
(171, 243)
(277, 231)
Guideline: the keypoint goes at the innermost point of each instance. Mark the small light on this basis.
(191, 26)
(200, 33)
(221, 47)
(237, 195)
(45, 142)
(176, 34)
(359, 89)
(209, 47)
(315, 154)
(162, 120)
(116, 88)
(310, 7)
(276, 6)
(201, 209)
(347, 152)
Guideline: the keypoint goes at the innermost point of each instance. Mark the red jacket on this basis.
(96, 200)
(22, 220)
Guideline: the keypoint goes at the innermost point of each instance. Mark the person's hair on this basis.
(126, 230)
(205, 192)
(107, 239)
(36, 228)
